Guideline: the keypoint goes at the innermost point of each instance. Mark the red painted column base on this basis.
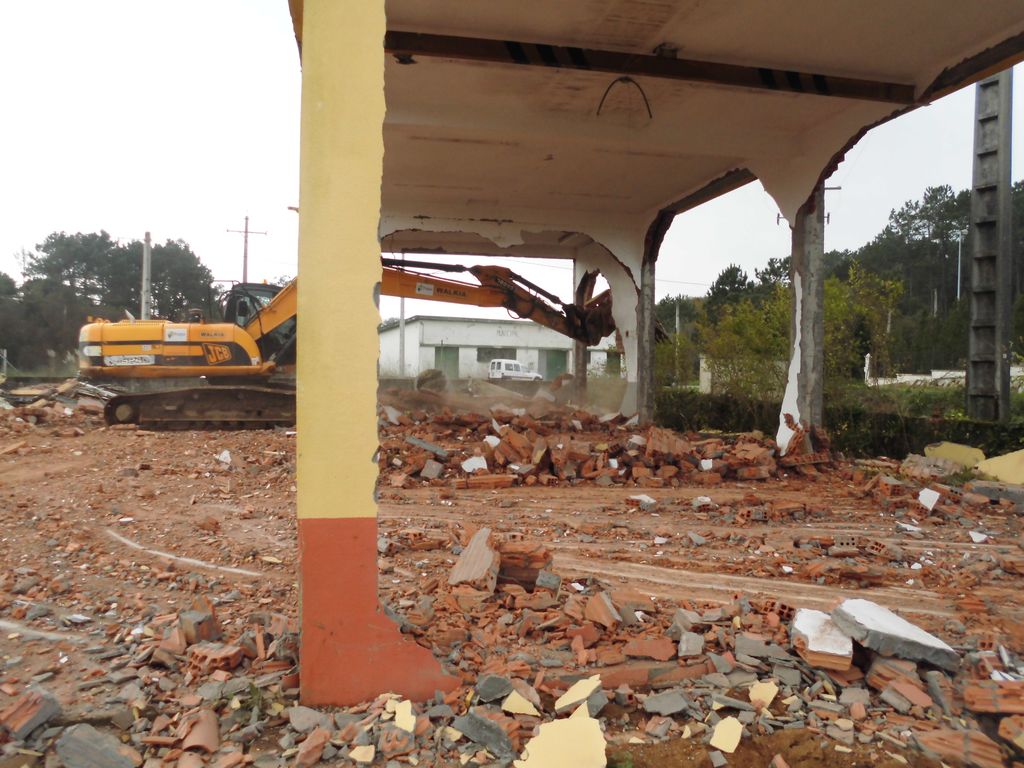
(350, 650)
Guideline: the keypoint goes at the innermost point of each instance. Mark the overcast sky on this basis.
(182, 118)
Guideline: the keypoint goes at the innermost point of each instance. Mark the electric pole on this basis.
(991, 270)
(245, 247)
(147, 290)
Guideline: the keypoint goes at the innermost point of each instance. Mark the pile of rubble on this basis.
(553, 674)
(148, 595)
(551, 446)
(66, 406)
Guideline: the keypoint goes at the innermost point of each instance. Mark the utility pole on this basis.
(245, 247)
(401, 332)
(676, 345)
(988, 361)
(147, 288)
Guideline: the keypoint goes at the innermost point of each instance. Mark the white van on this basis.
(511, 369)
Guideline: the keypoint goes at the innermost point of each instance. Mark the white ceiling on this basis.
(484, 146)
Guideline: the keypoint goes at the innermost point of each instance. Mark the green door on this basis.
(553, 363)
(446, 359)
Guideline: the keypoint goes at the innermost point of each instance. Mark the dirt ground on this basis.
(106, 530)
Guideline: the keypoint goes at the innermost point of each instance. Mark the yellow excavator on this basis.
(239, 372)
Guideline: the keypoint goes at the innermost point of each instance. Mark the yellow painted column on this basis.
(350, 651)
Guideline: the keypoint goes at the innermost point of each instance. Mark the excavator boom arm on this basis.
(412, 285)
(279, 310)
(501, 287)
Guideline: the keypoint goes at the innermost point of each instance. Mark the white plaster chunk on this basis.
(575, 741)
(393, 414)
(819, 634)
(473, 463)
(929, 498)
(881, 630)
(492, 441)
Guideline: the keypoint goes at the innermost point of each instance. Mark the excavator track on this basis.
(211, 407)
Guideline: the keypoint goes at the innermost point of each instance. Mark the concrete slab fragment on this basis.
(883, 631)
(668, 703)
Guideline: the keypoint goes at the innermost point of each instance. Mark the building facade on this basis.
(463, 348)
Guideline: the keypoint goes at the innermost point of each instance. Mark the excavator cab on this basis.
(244, 301)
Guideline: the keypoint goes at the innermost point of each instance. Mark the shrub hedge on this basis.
(854, 429)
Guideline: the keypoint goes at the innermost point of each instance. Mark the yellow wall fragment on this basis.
(963, 455)
(763, 694)
(364, 754)
(404, 718)
(516, 704)
(574, 741)
(727, 734)
(1008, 468)
(580, 691)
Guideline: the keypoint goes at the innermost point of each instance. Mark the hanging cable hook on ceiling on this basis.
(630, 81)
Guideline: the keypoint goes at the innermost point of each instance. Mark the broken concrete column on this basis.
(645, 389)
(804, 396)
(581, 282)
(617, 256)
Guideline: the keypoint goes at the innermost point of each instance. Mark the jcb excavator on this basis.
(248, 358)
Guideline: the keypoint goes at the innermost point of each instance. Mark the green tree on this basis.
(76, 261)
(731, 286)
(72, 277)
(676, 358)
(747, 346)
(8, 288)
(179, 279)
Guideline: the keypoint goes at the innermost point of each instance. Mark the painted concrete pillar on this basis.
(350, 651)
(645, 389)
(804, 397)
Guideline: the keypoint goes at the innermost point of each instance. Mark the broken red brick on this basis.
(204, 658)
(26, 713)
(1005, 697)
(312, 747)
(658, 648)
(600, 610)
(967, 747)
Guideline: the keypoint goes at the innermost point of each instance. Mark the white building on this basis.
(462, 348)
